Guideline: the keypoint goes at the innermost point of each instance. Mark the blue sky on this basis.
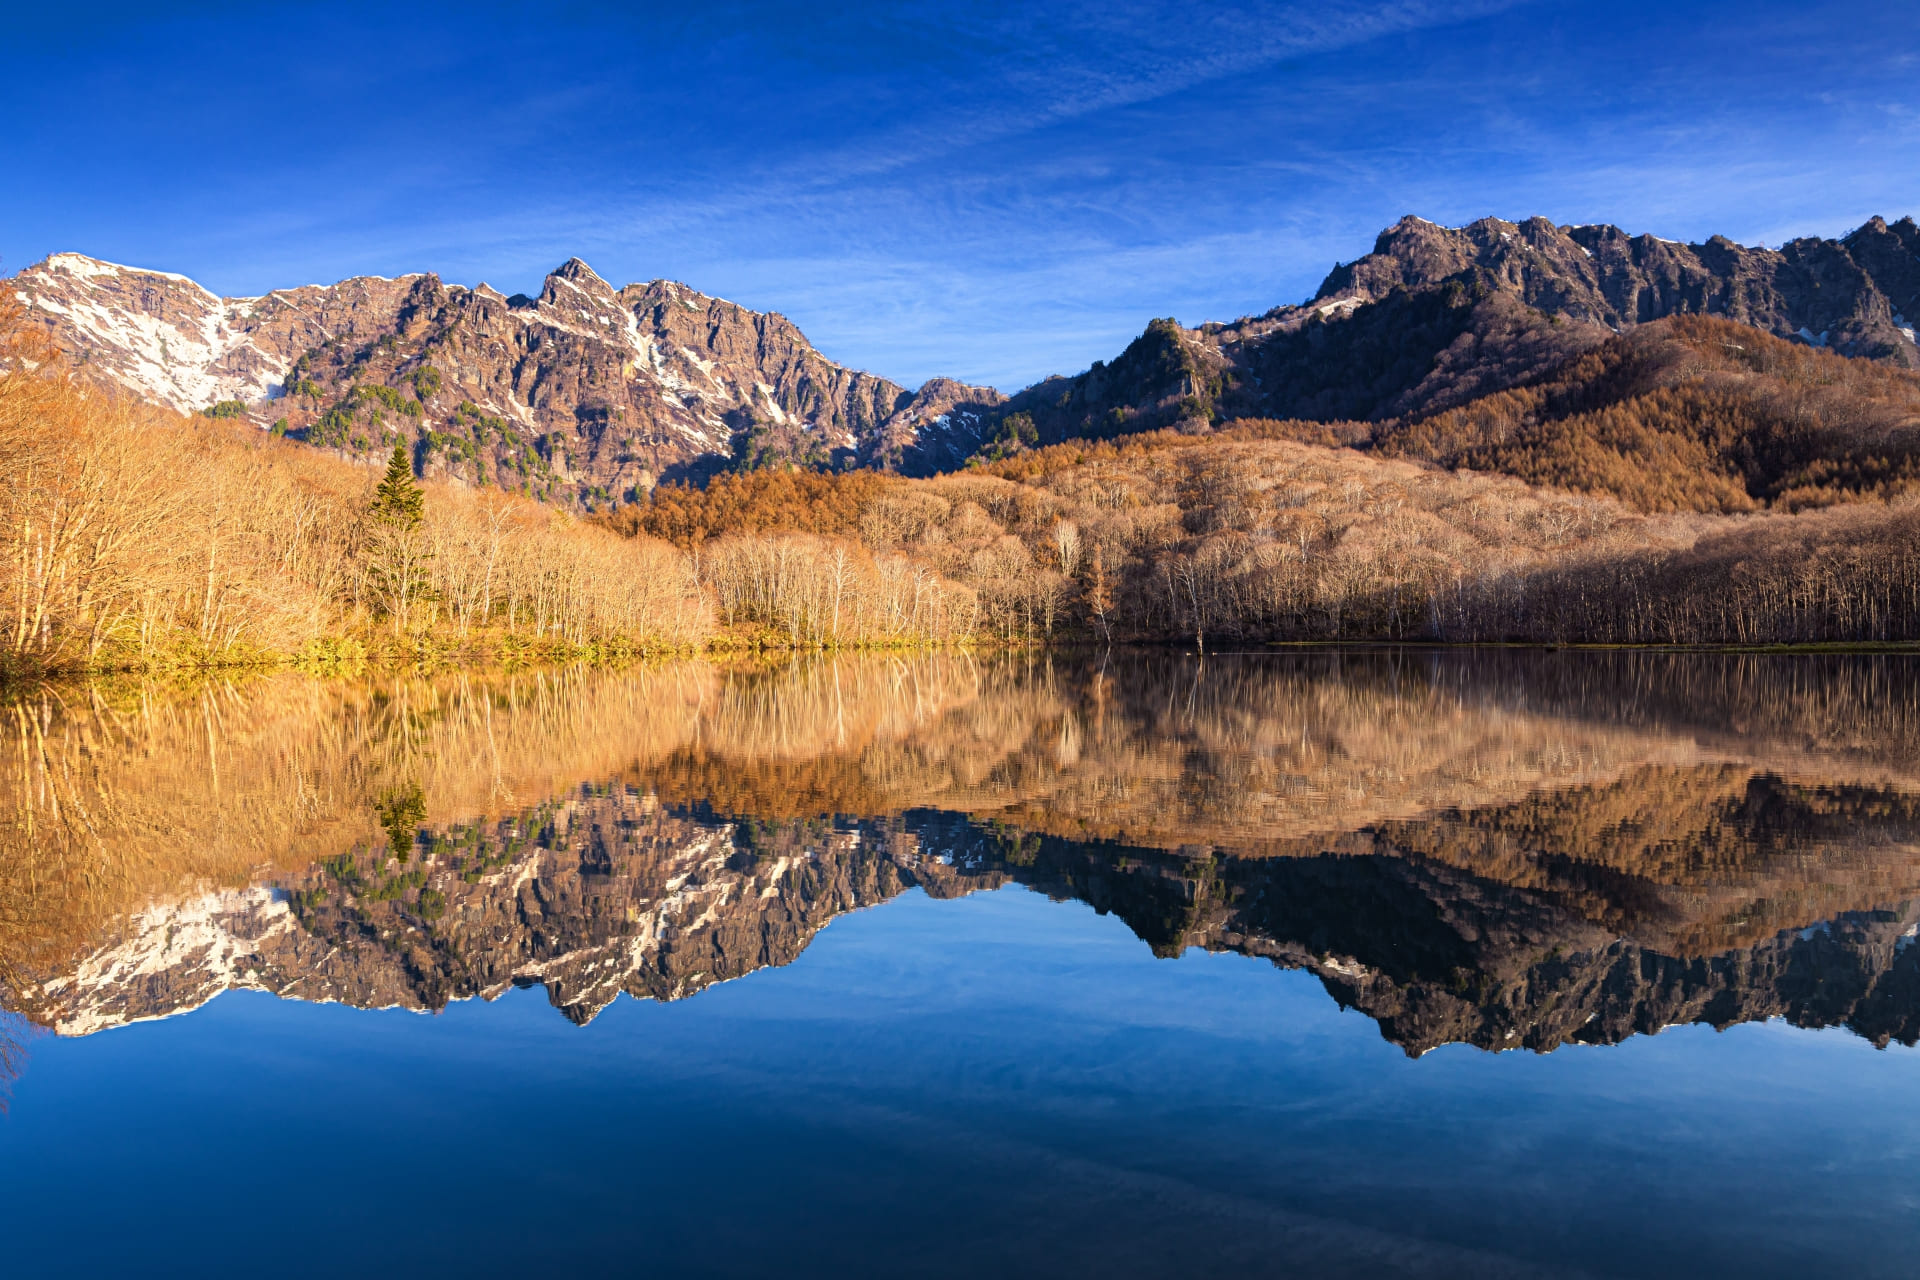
(992, 192)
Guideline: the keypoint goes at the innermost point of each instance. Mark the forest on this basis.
(1690, 482)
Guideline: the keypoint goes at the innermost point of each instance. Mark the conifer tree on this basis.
(398, 501)
(399, 548)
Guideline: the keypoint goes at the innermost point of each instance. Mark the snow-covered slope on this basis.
(585, 388)
(616, 898)
(158, 334)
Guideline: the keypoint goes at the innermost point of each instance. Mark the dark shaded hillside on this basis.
(1435, 317)
(1163, 377)
(1411, 352)
(1687, 414)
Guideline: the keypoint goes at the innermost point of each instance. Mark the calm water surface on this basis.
(1384, 963)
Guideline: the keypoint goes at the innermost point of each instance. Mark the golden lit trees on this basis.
(400, 550)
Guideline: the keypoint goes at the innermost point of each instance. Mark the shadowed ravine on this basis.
(1503, 849)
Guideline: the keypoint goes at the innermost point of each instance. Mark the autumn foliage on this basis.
(763, 501)
(1691, 414)
(1690, 482)
(133, 537)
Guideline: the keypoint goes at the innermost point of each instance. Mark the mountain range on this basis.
(608, 893)
(588, 393)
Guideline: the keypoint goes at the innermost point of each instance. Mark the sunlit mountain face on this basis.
(1502, 849)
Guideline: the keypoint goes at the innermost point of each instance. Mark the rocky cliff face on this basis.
(1812, 288)
(592, 393)
(1435, 316)
(584, 393)
(590, 896)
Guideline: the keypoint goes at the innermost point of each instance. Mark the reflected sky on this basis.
(995, 1084)
(956, 967)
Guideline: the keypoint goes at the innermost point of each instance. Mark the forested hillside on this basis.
(1687, 414)
(1249, 535)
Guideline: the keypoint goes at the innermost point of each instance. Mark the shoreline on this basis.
(776, 656)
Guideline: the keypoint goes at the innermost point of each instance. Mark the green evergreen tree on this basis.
(398, 501)
(401, 812)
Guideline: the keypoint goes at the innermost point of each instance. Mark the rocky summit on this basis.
(592, 394)
(585, 392)
(1436, 316)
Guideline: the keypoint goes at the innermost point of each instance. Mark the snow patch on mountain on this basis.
(197, 948)
(92, 268)
(161, 335)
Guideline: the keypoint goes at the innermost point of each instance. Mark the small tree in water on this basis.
(401, 811)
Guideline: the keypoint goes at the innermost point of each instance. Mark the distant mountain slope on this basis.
(1690, 413)
(1436, 316)
(584, 391)
(593, 393)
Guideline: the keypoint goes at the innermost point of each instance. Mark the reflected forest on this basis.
(1500, 848)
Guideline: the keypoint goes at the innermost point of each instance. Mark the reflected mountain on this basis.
(1502, 849)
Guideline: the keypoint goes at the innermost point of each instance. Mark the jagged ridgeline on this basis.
(589, 393)
(585, 393)
(1436, 317)
(1502, 849)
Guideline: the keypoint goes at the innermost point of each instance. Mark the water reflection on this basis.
(1504, 849)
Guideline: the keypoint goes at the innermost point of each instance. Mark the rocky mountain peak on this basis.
(1437, 315)
(574, 278)
(593, 394)
(577, 270)
(1825, 292)
(585, 393)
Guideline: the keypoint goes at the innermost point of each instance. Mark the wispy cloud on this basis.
(992, 191)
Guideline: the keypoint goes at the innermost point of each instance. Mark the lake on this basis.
(1366, 962)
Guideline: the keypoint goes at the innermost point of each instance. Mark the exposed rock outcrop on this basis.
(588, 392)
(1436, 316)
(584, 393)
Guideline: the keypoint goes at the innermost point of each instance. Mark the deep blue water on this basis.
(994, 1085)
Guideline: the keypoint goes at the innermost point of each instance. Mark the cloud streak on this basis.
(997, 192)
